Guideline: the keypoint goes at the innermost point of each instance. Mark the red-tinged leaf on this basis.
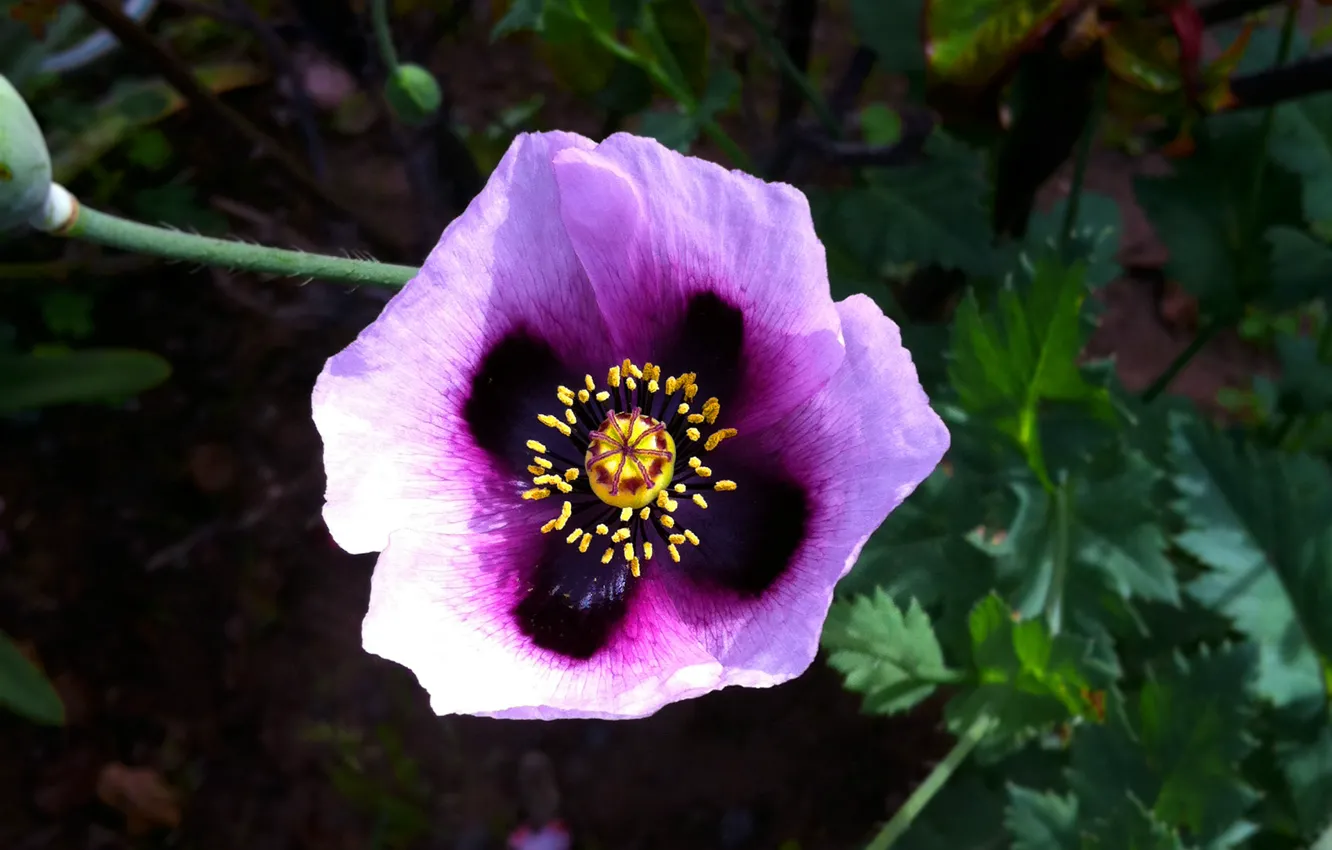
(971, 43)
(1182, 146)
(1144, 57)
(1188, 26)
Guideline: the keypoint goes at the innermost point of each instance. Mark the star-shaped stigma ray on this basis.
(616, 462)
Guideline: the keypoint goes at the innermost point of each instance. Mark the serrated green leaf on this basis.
(1133, 828)
(1007, 361)
(920, 214)
(1302, 142)
(1027, 679)
(970, 41)
(1259, 521)
(1308, 772)
(893, 30)
(1096, 236)
(1041, 820)
(30, 381)
(1301, 268)
(891, 657)
(1176, 747)
(25, 690)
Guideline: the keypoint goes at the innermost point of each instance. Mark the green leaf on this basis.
(969, 42)
(1308, 772)
(1009, 359)
(1175, 747)
(678, 130)
(1301, 268)
(1041, 821)
(880, 124)
(1113, 538)
(893, 30)
(67, 314)
(890, 657)
(25, 690)
(1096, 236)
(1302, 142)
(1259, 521)
(1026, 679)
(30, 381)
(1305, 377)
(925, 213)
(1134, 828)
(940, 826)
(522, 15)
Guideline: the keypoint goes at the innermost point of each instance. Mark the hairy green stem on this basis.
(1054, 600)
(1070, 222)
(943, 771)
(788, 67)
(1163, 381)
(383, 35)
(115, 232)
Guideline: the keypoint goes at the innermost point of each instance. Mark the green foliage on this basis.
(25, 690)
(971, 41)
(1302, 142)
(1041, 821)
(42, 379)
(891, 657)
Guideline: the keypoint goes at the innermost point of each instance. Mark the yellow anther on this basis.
(571, 417)
(607, 555)
(717, 437)
(547, 479)
(633, 370)
(571, 474)
(551, 422)
(536, 493)
(601, 528)
(682, 409)
(667, 521)
(704, 471)
(653, 386)
(538, 447)
(693, 434)
(711, 410)
(631, 384)
(679, 488)
(724, 486)
(700, 501)
(695, 463)
(584, 543)
(675, 553)
(671, 505)
(620, 535)
(645, 513)
(566, 511)
(635, 568)
(589, 383)
(549, 527)
(542, 462)
(672, 384)
(563, 488)
(602, 396)
(574, 535)
(613, 376)
(662, 499)
(691, 391)
(567, 400)
(647, 551)
(536, 470)
(691, 537)
(584, 395)
(628, 551)
(694, 418)
(676, 539)
(563, 390)
(626, 514)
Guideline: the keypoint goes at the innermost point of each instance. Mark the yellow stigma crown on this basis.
(630, 459)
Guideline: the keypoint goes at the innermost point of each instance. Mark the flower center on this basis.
(626, 437)
(630, 459)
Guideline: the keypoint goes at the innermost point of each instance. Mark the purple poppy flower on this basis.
(615, 442)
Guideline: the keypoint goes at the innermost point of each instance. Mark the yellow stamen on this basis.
(676, 539)
(693, 434)
(548, 479)
(628, 551)
(662, 499)
(584, 395)
(542, 462)
(691, 390)
(571, 474)
(601, 528)
(653, 386)
(549, 527)
(574, 535)
(695, 463)
(606, 557)
(620, 535)
(571, 417)
(667, 521)
(538, 447)
(682, 409)
(633, 370)
(724, 486)
(645, 513)
(672, 384)
(536, 493)
(551, 422)
(700, 501)
(566, 400)
(566, 511)
(589, 383)
(635, 569)
(626, 514)
(691, 537)
(631, 384)
(717, 437)
(694, 418)
(647, 551)
(679, 488)
(613, 376)
(584, 543)
(671, 505)
(675, 553)
(704, 471)
(602, 396)
(536, 470)
(711, 410)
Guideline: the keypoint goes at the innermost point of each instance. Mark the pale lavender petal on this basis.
(397, 447)
(654, 229)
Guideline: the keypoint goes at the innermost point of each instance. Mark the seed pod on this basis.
(25, 163)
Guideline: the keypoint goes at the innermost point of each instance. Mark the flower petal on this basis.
(849, 456)
(412, 412)
(655, 230)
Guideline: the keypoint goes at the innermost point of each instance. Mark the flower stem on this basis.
(1070, 222)
(1054, 600)
(112, 231)
(1163, 381)
(788, 67)
(383, 36)
(943, 771)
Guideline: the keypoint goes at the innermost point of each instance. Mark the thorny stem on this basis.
(788, 67)
(943, 771)
(1080, 165)
(383, 36)
(115, 232)
(1251, 221)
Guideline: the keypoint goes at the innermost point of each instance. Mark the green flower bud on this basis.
(413, 94)
(25, 163)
